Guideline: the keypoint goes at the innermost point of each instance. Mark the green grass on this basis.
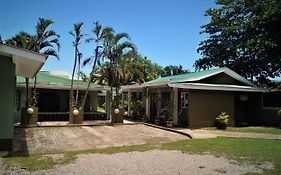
(252, 150)
(35, 162)
(262, 130)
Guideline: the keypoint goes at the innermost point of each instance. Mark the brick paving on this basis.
(58, 139)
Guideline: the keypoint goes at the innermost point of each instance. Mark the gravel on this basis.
(153, 162)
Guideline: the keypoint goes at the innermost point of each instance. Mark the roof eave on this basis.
(217, 88)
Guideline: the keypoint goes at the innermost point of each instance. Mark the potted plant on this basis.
(170, 122)
(222, 120)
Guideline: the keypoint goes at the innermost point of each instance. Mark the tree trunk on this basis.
(71, 95)
(90, 79)
(78, 76)
(27, 94)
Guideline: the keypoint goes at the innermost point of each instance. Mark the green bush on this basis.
(222, 120)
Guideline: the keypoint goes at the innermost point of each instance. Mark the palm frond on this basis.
(89, 40)
(42, 25)
(120, 47)
(87, 61)
(56, 41)
(51, 33)
(51, 52)
(97, 29)
(120, 36)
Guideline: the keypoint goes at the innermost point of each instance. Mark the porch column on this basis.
(107, 105)
(143, 99)
(147, 106)
(129, 103)
(158, 102)
(175, 110)
(123, 99)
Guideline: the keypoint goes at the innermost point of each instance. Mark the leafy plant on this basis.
(222, 120)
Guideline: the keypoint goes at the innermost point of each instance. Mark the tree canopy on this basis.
(173, 70)
(244, 36)
(130, 70)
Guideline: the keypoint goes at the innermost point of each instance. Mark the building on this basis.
(53, 97)
(13, 62)
(198, 98)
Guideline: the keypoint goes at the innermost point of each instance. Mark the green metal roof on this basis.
(44, 78)
(186, 77)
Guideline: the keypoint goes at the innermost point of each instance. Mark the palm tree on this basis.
(42, 42)
(114, 50)
(98, 37)
(76, 33)
(26, 41)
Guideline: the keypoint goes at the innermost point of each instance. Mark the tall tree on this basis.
(76, 33)
(114, 49)
(244, 36)
(98, 36)
(43, 41)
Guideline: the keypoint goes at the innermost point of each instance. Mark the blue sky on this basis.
(166, 31)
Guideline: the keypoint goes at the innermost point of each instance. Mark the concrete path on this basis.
(57, 139)
(203, 133)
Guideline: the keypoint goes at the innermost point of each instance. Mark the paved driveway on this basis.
(54, 139)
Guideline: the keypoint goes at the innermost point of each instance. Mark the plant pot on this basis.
(76, 119)
(117, 117)
(28, 120)
(170, 124)
(222, 126)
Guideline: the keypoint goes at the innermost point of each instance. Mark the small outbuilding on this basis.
(13, 61)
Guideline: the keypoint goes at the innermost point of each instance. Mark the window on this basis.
(272, 100)
(184, 99)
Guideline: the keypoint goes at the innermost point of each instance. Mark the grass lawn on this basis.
(263, 130)
(253, 150)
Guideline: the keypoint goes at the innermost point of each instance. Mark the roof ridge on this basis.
(182, 75)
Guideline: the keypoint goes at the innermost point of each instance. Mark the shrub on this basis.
(222, 120)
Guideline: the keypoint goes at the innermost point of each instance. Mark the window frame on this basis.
(185, 100)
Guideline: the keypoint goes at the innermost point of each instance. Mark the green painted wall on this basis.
(7, 97)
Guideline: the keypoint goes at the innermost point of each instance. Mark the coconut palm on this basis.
(76, 33)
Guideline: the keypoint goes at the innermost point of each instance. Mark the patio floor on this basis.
(57, 139)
